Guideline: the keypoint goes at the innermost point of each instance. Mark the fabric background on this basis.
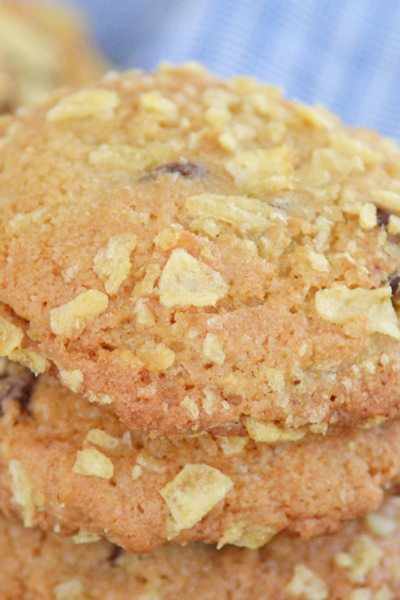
(342, 53)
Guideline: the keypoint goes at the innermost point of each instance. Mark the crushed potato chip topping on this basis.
(187, 281)
(22, 491)
(246, 534)
(307, 585)
(71, 319)
(194, 492)
(340, 305)
(112, 263)
(85, 103)
(93, 463)
(270, 433)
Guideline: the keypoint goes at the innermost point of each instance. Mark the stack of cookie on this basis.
(198, 286)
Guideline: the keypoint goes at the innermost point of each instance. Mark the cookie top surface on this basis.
(361, 562)
(42, 47)
(198, 253)
(75, 468)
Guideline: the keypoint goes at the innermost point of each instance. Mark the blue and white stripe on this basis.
(342, 53)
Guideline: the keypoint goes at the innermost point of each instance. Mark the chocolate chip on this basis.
(394, 282)
(115, 553)
(182, 168)
(16, 383)
(382, 216)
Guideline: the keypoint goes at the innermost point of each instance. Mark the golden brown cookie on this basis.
(359, 563)
(42, 47)
(202, 254)
(75, 468)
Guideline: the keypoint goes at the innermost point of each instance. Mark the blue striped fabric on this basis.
(342, 53)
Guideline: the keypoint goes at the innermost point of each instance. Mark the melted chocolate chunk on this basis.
(394, 282)
(16, 383)
(382, 216)
(184, 169)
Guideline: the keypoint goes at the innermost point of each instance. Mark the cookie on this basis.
(202, 254)
(75, 468)
(42, 47)
(359, 563)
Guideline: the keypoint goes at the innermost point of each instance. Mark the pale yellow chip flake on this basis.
(85, 537)
(93, 463)
(155, 102)
(11, 337)
(388, 200)
(35, 361)
(270, 433)
(146, 285)
(233, 444)
(194, 492)
(70, 319)
(22, 491)
(112, 263)
(71, 589)
(380, 525)
(72, 379)
(262, 171)
(246, 534)
(307, 585)
(340, 305)
(95, 102)
(364, 554)
(156, 357)
(186, 281)
(245, 214)
(102, 438)
(213, 348)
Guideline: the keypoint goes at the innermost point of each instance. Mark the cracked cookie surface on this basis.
(201, 254)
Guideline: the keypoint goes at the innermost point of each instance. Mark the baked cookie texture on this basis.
(359, 563)
(43, 46)
(203, 255)
(74, 468)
